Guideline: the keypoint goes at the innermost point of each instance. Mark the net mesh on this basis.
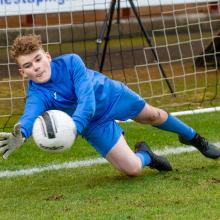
(167, 51)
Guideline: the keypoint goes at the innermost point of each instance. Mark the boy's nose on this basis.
(36, 67)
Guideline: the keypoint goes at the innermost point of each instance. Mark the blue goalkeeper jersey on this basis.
(84, 94)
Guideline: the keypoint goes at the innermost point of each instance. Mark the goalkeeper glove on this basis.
(9, 142)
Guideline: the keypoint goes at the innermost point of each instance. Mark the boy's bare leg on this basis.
(130, 163)
(124, 159)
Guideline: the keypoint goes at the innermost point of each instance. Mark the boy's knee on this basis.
(157, 116)
(133, 171)
(152, 115)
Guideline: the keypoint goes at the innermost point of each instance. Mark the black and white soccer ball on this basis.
(54, 131)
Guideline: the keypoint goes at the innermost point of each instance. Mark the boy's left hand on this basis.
(9, 142)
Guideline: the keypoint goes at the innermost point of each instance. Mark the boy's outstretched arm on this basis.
(9, 142)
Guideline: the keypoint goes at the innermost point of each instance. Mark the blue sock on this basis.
(175, 125)
(145, 157)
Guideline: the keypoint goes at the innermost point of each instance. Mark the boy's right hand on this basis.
(9, 142)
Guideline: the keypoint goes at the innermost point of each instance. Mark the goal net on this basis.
(166, 50)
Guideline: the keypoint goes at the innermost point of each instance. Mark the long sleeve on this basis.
(33, 108)
(86, 103)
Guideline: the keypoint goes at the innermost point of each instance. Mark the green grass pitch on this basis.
(190, 191)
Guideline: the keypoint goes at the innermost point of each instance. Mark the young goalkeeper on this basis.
(94, 102)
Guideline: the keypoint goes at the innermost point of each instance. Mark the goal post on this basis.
(183, 51)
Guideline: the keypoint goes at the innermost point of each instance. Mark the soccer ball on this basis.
(54, 131)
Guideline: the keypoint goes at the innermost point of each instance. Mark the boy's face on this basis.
(35, 66)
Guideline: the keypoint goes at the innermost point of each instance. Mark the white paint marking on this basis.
(86, 163)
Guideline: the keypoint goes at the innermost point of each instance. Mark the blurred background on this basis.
(168, 51)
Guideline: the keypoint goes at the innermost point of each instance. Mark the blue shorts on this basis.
(104, 133)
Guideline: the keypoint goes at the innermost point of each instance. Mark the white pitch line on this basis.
(66, 165)
(86, 163)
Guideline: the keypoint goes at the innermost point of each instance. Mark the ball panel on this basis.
(48, 122)
(59, 135)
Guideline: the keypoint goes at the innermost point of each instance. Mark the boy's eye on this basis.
(27, 65)
(38, 59)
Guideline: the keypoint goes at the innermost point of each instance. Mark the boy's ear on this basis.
(22, 73)
(48, 56)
